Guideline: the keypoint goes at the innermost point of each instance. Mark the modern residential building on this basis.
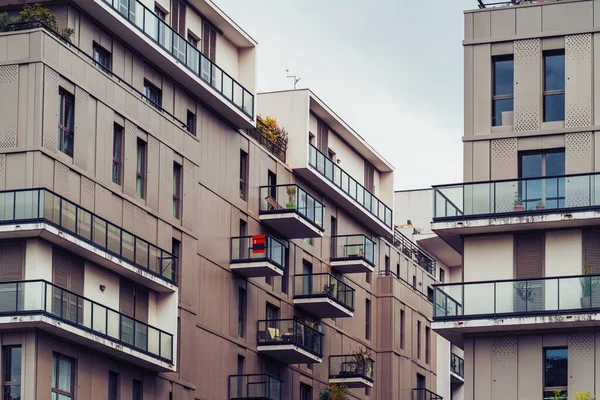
(155, 244)
(524, 220)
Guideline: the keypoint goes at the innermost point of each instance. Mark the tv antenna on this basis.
(294, 77)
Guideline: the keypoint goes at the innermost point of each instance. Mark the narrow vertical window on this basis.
(191, 38)
(117, 157)
(176, 190)
(402, 329)
(368, 319)
(554, 86)
(66, 122)
(113, 385)
(191, 122)
(152, 94)
(387, 264)
(442, 275)
(102, 57)
(137, 390)
(503, 90)
(140, 180)
(556, 375)
(427, 344)
(242, 312)
(419, 339)
(243, 175)
(305, 392)
(11, 382)
(63, 377)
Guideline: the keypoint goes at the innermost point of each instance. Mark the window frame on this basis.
(496, 97)
(7, 358)
(140, 389)
(58, 357)
(553, 388)
(305, 391)
(548, 93)
(191, 125)
(141, 175)
(368, 319)
(177, 189)
(242, 311)
(418, 339)
(116, 375)
(148, 87)
(63, 129)
(97, 48)
(402, 329)
(118, 161)
(243, 175)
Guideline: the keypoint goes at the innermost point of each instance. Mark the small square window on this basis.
(102, 58)
(152, 94)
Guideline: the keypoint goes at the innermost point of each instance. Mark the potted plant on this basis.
(359, 358)
(580, 396)
(518, 203)
(334, 392)
(525, 293)
(559, 395)
(291, 193)
(588, 285)
(540, 205)
(406, 252)
(328, 288)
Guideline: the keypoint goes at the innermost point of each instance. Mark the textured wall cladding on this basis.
(130, 145)
(504, 158)
(9, 79)
(128, 215)
(168, 93)
(581, 345)
(578, 100)
(61, 13)
(82, 128)
(138, 73)
(578, 148)
(50, 110)
(527, 108)
(87, 33)
(88, 188)
(187, 284)
(189, 190)
(504, 349)
(153, 172)
(61, 179)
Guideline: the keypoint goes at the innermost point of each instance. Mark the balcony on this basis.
(274, 145)
(291, 211)
(352, 254)
(323, 295)
(338, 185)
(255, 387)
(520, 304)
(424, 394)
(143, 30)
(415, 253)
(354, 371)
(33, 212)
(457, 369)
(38, 304)
(290, 341)
(258, 255)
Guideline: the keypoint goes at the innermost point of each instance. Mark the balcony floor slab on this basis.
(355, 266)
(289, 354)
(323, 307)
(256, 269)
(291, 225)
(352, 382)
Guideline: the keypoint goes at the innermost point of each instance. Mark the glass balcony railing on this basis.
(33, 205)
(185, 53)
(424, 394)
(415, 252)
(38, 296)
(290, 331)
(281, 199)
(349, 186)
(351, 366)
(457, 365)
(324, 285)
(255, 386)
(519, 297)
(258, 248)
(516, 197)
(352, 247)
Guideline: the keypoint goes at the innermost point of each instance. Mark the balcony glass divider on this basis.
(425, 394)
(324, 285)
(258, 248)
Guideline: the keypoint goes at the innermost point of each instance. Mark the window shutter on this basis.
(11, 261)
(529, 256)
(175, 15)
(205, 38)
(141, 304)
(76, 275)
(182, 11)
(369, 178)
(322, 137)
(591, 250)
(213, 44)
(126, 298)
(60, 269)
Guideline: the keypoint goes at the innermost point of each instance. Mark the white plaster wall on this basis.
(350, 162)
(38, 260)
(564, 256)
(416, 206)
(96, 276)
(227, 56)
(247, 68)
(193, 23)
(443, 367)
(165, 308)
(313, 126)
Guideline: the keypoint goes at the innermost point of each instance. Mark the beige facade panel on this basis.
(579, 78)
(579, 157)
(504, 159)
(527, 115)
(482, 94)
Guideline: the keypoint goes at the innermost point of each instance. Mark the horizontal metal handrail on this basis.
(324, 285)
(415, 252)
(243, 249)
(83, 313)
(425, 394)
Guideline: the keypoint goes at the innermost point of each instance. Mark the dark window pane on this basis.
(503, 77)
(554, 107)
(555, 164)
(498, 107)
(554, 72)
(556, 361)
(531, 166)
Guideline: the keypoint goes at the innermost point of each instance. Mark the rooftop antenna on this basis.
(294, 77)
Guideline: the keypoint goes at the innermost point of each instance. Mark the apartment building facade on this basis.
(154, 246)
(524, 220)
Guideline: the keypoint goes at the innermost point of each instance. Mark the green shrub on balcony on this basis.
(36, 13)
(334, 392)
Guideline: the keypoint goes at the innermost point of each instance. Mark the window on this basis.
(63, 377)
(243, 175)
(160, 13)
(117, 162)
(137, 390)
(176, 190)
(503, 88)
(555, 371)
(398, 270)
(549, 191)
(387, 264)
(442, 276)
(419, 339)
(368, 319)
(209, 40)
(191, 38)
(427, 344)
(102, 58)
(402, 329)
(554, 86)
(113, 385)
(414, 282)
(191, 122)
(272, 312)
(152, 93)
(175, 250)
(368, 277)
(140, 180)
(430, 293)
(66, 121)
(11, 382)
(307, 277)
(305, 392)
(241, 312)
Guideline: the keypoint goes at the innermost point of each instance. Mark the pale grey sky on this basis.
(392, 69)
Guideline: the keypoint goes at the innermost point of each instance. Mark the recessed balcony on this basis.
(323, 295)
(352, 254)
(425, 394)
(258, 255)
(339, 186)
(293, 212)
(354, 371)
(40, 212)
(255, 387)
(457, 369)
(290, 341)
(38, 304)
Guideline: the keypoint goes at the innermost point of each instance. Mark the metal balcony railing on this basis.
(351, 366)
(275, 146)
(414, 252)
(424, 394)
(457, 365)
(343, 181)
(146, 21)
(43, 205)
(41, 297)
(516, 197)
(290, 331)
(281, 199)
(517, 297)
(255, 386)
(324, 285)
(352, 247)
(258, 248)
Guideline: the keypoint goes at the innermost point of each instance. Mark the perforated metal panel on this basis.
(504, 349)
(130, 146)
(504, 367)
(138, 73)
(581, 346)
(82, 128)
(187, 353)
(128, 215)
(153, 173)
(50, 135)
(118, 58)
(2, 171)
(168, 96)
(578, 101)
(61, 178)
(87, 193)
(526, 103)
(87, 33)
(61, 14)
(504, 158)
(188, 199)
(9, 79)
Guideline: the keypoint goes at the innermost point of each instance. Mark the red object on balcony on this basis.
(258, 244)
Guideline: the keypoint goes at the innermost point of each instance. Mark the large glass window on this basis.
(242, 312)
(503, 89)
(66, 121)
(549, 192)
(11, 382)
(554, 86)
(555, 371)
(62, 377)
(137, 390)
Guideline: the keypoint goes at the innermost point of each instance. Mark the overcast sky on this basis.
(392, 69)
